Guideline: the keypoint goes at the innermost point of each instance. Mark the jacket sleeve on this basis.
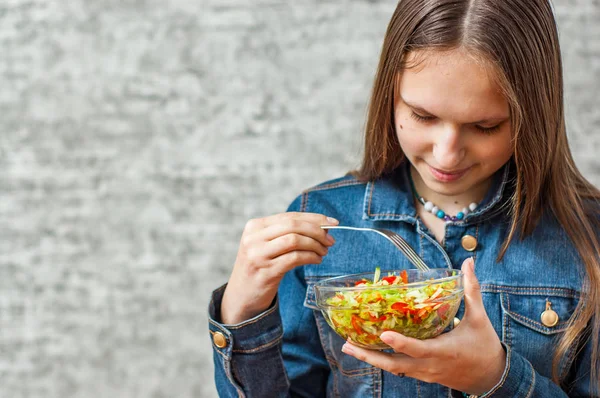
(275, 354)
(520, 380)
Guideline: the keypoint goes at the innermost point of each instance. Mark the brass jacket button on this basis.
(469, 243)
(549, 316)
(219, 340)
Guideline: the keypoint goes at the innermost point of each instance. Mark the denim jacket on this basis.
(289, 350)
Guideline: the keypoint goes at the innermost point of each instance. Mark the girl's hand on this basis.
(470, 358)
(269, 248)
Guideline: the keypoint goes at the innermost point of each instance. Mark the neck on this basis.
(451, 204)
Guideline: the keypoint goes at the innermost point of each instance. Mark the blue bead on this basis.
(460, 215)
(440, 214)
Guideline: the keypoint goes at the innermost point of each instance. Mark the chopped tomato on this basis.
(371, 338)
(403, 308)
(442, 310)
(375, 319)
(400, 307)
(404, 276)
(356, 321)
(389, 279)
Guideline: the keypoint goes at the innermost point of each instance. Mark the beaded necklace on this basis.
(439, 213)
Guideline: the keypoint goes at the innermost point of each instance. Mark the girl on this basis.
(466, 157)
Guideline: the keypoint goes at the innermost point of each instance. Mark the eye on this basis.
(420, 118)
(488, 130)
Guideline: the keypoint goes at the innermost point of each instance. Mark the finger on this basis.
(393, 363)
(300, 227)
(288, 261)
(473, 300)
(292, 242)
(315, 218)
(414, 348)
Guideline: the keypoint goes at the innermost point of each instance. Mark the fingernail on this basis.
(330, 239)
(386, 338)
(332, 220)
(347, 349)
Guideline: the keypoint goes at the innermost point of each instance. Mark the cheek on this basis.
(496, 152)
(411, 141)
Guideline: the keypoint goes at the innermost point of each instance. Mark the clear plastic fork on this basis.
(396, 240)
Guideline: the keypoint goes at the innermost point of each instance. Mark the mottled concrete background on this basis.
(136, 139)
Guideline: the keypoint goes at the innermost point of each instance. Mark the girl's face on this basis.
(452, 121)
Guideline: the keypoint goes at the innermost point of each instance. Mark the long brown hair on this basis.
(518, 39)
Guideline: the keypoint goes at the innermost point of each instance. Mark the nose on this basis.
(448, 148)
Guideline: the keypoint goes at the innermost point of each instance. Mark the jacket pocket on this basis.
(524, 330)
(349, 373)
(310, 300)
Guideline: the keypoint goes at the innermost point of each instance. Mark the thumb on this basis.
(473, 300)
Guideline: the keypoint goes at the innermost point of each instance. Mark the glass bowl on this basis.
(419, 304)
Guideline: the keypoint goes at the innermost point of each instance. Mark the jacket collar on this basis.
(390, 198)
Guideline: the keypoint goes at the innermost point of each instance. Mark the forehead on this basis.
(451, 82)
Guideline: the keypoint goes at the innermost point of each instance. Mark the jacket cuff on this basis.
(518, 378)
(251, 336)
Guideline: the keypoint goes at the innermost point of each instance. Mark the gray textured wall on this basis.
(137, 137)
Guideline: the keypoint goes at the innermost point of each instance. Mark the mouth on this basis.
(448, 175)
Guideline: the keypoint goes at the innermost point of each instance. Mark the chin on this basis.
(448, 189)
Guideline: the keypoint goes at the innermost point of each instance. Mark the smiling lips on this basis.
(447, 176)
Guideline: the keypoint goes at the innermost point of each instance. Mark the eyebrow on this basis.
(484, 121)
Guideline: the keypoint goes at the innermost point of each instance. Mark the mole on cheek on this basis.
(400, 126)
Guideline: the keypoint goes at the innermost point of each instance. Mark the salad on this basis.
(381, 304)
